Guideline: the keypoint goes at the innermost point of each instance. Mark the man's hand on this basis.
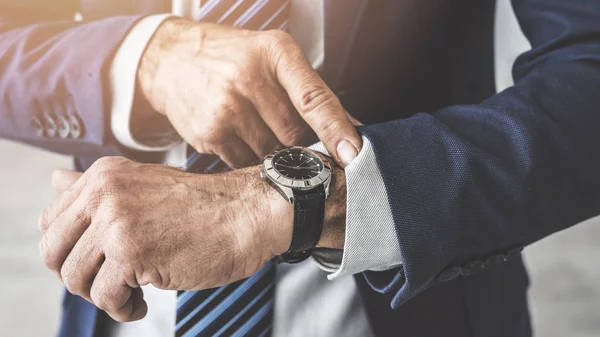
(241, 94)
(122, 225)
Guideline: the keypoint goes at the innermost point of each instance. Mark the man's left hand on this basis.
(123, 224)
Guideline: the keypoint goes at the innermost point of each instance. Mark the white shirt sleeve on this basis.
(371, 242)
(123, 74)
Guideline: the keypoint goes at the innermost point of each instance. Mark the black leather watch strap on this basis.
(309, 214)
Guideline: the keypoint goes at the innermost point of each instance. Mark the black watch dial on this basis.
(297, 164)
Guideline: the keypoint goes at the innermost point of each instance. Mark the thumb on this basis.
(317, 104)
(62, 180)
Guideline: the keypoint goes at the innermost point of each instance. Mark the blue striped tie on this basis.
(243, 308)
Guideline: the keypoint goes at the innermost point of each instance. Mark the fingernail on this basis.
(346, 152)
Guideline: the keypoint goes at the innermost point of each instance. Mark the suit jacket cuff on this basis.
(371, 242)
(123, 74)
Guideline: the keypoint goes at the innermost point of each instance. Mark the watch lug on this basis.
(285, 192)
(288, 193)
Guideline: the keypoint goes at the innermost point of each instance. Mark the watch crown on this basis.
(262, 175)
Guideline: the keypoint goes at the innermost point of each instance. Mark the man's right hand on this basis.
(241, 94)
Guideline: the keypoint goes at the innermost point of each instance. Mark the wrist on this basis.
(334, 223)
(268, 219)
(156, 57)
(278, 228)
(273, 217)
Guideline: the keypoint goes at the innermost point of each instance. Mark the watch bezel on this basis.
(302, 184)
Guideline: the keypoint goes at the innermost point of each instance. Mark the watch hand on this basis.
(304, 162)
(296, 167)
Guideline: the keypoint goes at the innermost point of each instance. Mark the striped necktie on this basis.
(244, 308)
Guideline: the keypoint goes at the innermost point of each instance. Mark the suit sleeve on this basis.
(53, 89)
(469, 186)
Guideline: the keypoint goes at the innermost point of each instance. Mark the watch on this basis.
(302, 176)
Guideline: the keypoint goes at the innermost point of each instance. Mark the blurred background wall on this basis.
(565, 292)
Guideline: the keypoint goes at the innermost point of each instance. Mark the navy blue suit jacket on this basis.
(472, 176)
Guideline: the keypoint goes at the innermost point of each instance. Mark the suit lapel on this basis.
(342, 22)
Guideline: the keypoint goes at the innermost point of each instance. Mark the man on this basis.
(463, 188)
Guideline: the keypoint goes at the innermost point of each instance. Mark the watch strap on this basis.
(309, 214)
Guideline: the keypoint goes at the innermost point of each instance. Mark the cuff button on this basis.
(50, 126)
(472, 267)
(494, 260)
(449, 274)
(76, 126)
(64, 127)
(37, 126)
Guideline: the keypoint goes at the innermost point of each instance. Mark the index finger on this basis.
(61, 203)
(315, 102)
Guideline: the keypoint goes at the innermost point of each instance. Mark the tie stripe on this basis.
(228, 309)
(236, 10)
(212, 10)
(249, 14)
(267, 292)
(257, 322)
(266, 332)
(224, 307)
(203, 300)
(278, 19)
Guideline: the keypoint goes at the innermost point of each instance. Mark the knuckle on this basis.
(210, 141)
(293, 136)
(219, 149)
(267, 145)
(105, 163)
(101, 299)
(199, 137)
(49, 258)
(106, 177)
(281, 48)
(106, 182)
(73, 285)
(315, 98)
(277, 38)
(217, 139)
(199, 144)
(276, 44)
(123, 248)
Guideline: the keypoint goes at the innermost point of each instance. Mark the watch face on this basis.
(297, 164)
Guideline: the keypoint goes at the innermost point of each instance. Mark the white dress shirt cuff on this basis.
(123, 74)
(371, 242)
